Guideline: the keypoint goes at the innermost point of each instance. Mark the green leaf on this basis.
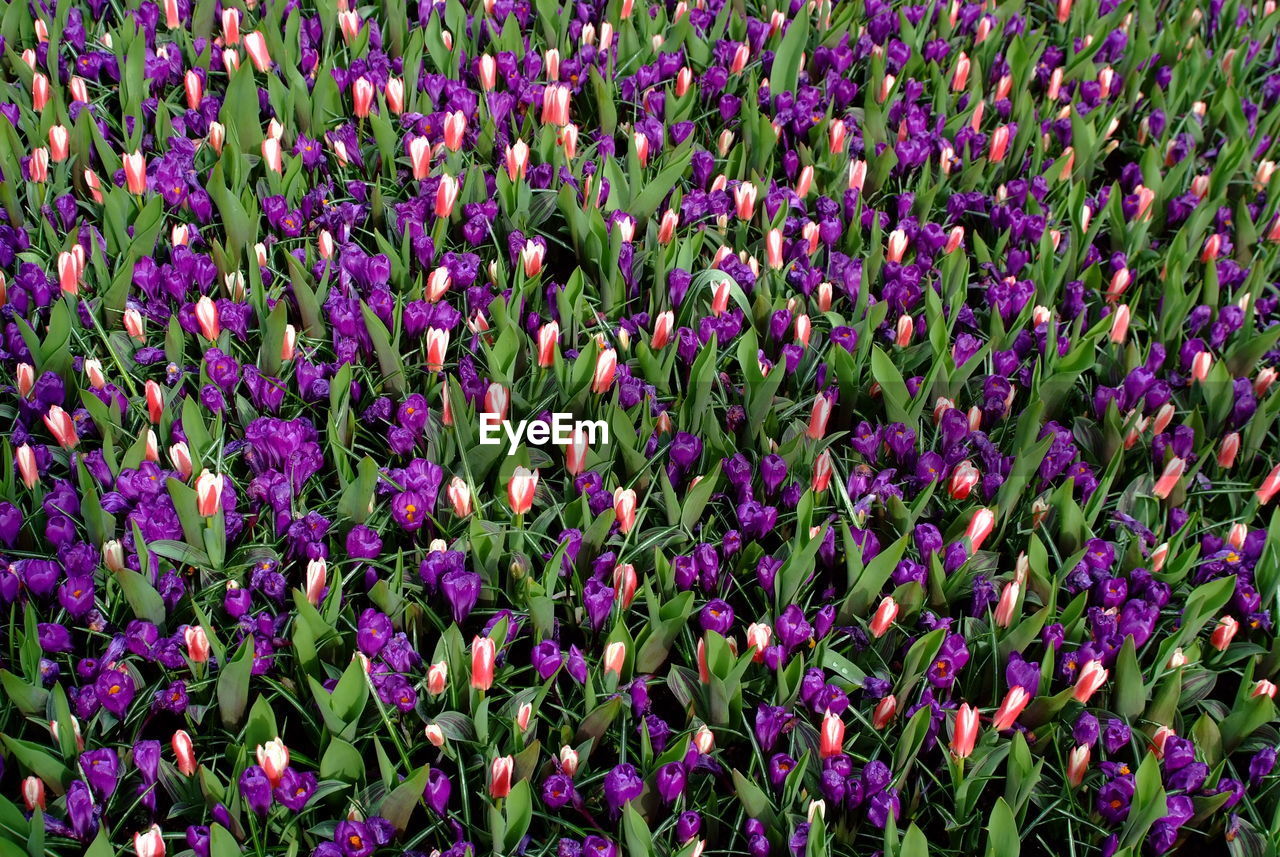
(519, 813)
(388, 356)
(398, 806)
(37, 761)
(1002, 832)
(141, 595)
(341, 761)
(233, 684)
(786, 62)
(914, 843)
(261, 727)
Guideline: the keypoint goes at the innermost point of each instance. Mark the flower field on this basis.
(610, 429)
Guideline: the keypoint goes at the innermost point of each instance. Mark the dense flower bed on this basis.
(913, 367)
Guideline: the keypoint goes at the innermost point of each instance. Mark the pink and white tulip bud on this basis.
(437, 678)
(180, 458)
(568, 760)
(155, 401)
(965, 732)
(446, 195)
(394, 92)
(517, 158)
(1237, 534)
(455, 129)
(857, 174)
(207, 318)
(575, 454)
(135, 172)
(349, 24)
(980, 526)
(1014, 702)
(1169, 478)
(1077, 765)
(317, 580)
(112, 556)
(420, 158)
(272, 156)
(884, 617)
(230, 26)
(624, 507)
(606, 369)
(26, 377)
(896, 246)
(62, 427)
(625, 583)
(33, 793)
(773, 248)
(197, 644)
(615, 658)
(500, 770)
(999, 144)
(523, 715)
(434, 734)
(548, 344)
(1120, 324)
(667, 226)
(1224, 633)
(1270, 485)
(822, 472)
(59, 143)
(1008, 604)
(39, 92)
(831, 736)
(532, 255)
(905, 330)
(1091, 678)
(256, 44)
(555, 105)
(483, 654)
(884, 712)
(1264, 688)
(149, 843)
(217, 136)
(1263, 380)
(362, 97)
(960, 74)
(209, 493)
(759, 636)
(92, 370)
(1228, 450)
(273, 758)
(521, 489)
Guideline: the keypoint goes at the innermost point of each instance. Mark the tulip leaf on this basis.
(341, 761)
(519, 813)
(1002, 832)
(786, 62)
(141, 595)
(261, 726)
(398, 806)
(233, 684)
(636, 830)
(914, 843)
(29, 699)
(33, 757)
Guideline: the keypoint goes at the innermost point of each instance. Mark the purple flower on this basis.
(670, 781)
(101, 771)
(558, 790)
(621, 784)
(354, 838)
(115, 690)
(255, 788)
(295, 789)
